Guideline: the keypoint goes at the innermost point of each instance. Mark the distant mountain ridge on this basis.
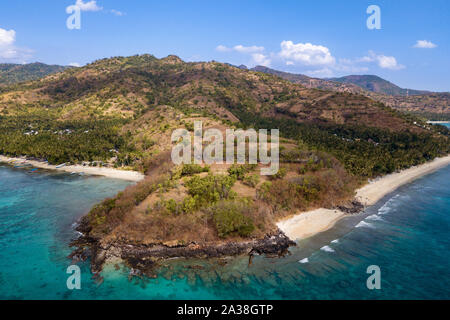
(420, 102)
(376, 84)
(13, 73)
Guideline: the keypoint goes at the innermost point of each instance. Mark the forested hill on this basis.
(123, 109)
(14, 73)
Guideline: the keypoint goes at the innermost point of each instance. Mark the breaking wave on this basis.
(364, 224)
(327, 249)
(374, 217)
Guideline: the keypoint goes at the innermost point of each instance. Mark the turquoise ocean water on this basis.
(406, 235)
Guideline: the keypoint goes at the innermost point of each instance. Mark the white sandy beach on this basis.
(97, 171)
(374, 191)
(306, 224)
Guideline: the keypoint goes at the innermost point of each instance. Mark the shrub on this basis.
(189, 126)
(143, 190)
(172, 206)
(210, 189)
(188, 205)
(251, 180)
(98, 212)
(147, 143)
(190, 169)
(239, 171)
(229, 218)
(279, 175)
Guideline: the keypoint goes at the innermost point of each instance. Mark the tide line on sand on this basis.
(96, 171)
(309, 223)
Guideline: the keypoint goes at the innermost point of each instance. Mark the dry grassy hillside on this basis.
(430, 104)
(130, 87)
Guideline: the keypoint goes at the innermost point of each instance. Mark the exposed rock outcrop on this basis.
(143, 258)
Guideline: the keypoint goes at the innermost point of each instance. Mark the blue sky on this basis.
(320, 38)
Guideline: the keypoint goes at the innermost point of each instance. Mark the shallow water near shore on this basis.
(405, 234)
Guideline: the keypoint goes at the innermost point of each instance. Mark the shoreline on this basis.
(144, 259)
(133, 176)
(306, 224)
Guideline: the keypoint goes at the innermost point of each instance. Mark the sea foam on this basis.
(327, 249)
(374, 217)
(306, 260)
(385, 208)
(364, 224)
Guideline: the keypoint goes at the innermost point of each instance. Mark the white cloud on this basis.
(385, 62)
(366, 59)
(88, 6)
(8, 51)
(93, 6)
(222, 48)
(318, 59)
(7, 37)
(74, 64)
(424, 44)
(261, 59)
(240, 48)
(117, 12)
(251, 49)
(350, 66)
(257, 57)
(324, 72)
(306, 54)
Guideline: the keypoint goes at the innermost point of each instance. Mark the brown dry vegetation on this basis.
(428, 103)
(333, 141)
(130, 87)
(153, 212)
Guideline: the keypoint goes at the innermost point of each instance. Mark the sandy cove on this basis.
(306, 224)
(97, 171)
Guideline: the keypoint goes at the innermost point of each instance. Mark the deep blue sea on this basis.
(406, 235)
